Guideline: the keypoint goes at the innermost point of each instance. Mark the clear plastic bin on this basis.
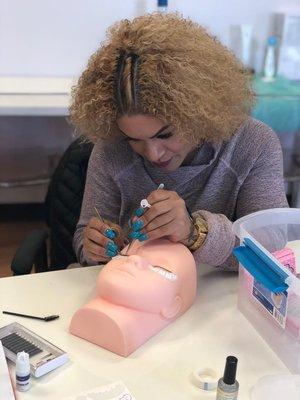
(275, 230)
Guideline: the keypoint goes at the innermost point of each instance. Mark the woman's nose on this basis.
(154, 152)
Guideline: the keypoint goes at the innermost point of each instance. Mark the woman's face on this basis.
(154, 140)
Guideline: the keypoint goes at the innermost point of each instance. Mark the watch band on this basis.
(201, 228)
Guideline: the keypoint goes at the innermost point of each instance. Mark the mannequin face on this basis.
(136, 283)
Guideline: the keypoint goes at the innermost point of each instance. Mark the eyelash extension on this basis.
(170, 276)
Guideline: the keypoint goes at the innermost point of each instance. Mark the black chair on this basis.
(51, 249)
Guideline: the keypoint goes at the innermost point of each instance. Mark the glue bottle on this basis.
(22, 371)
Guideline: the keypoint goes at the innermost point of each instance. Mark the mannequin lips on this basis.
(125, 270)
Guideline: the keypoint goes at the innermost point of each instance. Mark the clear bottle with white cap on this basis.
(22, 371)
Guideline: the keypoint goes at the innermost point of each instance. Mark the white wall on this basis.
(56, 37)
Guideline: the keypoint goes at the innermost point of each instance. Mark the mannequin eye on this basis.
(170, 276)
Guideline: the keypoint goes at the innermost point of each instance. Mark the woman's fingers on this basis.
(120, 237)
(97, 241)
(159, 195)
(167, 217)
(163, 231)
(156, 210)
(159, 221)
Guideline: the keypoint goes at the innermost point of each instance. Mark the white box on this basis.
(6, 390)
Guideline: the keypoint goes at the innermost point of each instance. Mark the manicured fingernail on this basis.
(109, 233)
(111, 246)
(143, 237)
(111, 253)
(135, 234)
(137, 225)
(116, 232)
(129, 223)
(139, 212)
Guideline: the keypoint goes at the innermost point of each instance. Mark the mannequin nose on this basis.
(139, 262)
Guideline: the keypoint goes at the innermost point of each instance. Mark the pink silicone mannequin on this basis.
(138, 296)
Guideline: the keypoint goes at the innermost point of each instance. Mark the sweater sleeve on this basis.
(263, 188)
(101, 191)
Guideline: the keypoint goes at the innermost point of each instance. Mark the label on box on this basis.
(274, 303)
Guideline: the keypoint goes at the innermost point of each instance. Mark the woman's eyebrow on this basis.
(152, 137)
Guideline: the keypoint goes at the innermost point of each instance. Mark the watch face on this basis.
(202, 225)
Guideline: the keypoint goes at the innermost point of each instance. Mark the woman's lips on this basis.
(163, 164)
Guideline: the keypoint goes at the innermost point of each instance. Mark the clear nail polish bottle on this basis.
(228, 386)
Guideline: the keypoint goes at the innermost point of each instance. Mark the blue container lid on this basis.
(162, 3)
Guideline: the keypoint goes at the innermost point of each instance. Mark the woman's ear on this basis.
(173, 309)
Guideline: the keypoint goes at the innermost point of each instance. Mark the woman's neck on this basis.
(191, 155)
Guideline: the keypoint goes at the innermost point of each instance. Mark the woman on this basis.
(165, 102)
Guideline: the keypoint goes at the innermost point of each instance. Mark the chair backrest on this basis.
(64, 200)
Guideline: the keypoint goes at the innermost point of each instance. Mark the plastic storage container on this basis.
(269, 288)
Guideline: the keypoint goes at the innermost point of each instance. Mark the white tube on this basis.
(246, 38)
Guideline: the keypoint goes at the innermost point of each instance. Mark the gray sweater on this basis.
(223, 182)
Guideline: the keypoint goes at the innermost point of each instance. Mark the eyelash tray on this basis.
(43, 355)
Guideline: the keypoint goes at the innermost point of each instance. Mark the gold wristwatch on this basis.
(200, 230)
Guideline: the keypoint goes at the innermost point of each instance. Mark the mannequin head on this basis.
(137, 296)
(157, 279)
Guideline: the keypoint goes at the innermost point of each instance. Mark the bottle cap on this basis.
(22, 363)
(162, 3)
(230, 370)
(272, 41)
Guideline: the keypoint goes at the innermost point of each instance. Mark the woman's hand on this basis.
(167, 217)
(101, 240)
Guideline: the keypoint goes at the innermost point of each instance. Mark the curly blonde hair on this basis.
(166, 66)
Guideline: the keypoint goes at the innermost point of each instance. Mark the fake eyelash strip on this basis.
(16, 343)
(166, 274)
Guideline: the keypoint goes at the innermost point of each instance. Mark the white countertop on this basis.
(35, 96)
(211, 330)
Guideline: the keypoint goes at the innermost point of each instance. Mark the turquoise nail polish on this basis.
(139, 212)
(137, 225)
(134, 235)
(109, 233)
(111, 246)
(111, 253)
(143, 237)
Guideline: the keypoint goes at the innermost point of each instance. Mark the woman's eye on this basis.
(129, 139)
(165, 135)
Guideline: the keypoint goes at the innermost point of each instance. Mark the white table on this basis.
(211, 330)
